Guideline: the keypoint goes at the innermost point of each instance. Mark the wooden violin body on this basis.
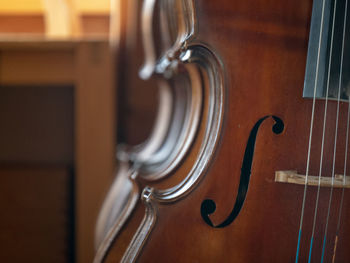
(256, 123)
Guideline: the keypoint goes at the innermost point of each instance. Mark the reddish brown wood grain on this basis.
(263, 46)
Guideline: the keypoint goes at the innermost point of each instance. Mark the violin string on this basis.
(323, 136)
(344, 182)
(336, 135)
(346, 147)
(311, 132)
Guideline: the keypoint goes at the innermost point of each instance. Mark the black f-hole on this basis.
(208, 206)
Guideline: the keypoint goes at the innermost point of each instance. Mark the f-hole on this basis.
(208, 206)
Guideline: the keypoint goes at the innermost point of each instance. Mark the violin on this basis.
(248, 159)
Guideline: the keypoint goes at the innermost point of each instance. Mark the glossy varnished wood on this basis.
(263, 47)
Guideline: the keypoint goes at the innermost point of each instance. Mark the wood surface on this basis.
(263, 47)
(93, 24)
(138, 99)
(86, 68)
(95, 134)
(61, 19)
(292, 177)
(37, 6)
(36, 220)
(37, 125)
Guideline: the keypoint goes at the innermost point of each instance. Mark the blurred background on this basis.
(28, 16)
(68, 72)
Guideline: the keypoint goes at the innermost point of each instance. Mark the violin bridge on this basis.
(292, 177)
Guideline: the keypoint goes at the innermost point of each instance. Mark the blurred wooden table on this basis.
(87, 66)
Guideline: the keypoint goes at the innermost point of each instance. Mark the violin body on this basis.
(261, 48)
